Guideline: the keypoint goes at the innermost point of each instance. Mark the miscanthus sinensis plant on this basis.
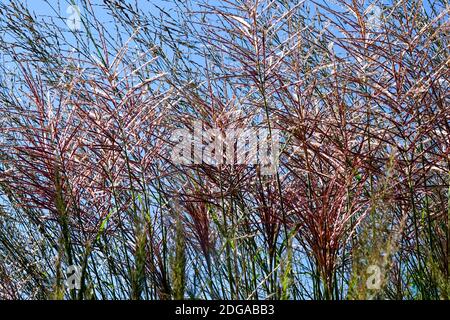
(94, 204)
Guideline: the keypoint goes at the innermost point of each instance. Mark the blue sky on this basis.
(41, 7)
(44, 11)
